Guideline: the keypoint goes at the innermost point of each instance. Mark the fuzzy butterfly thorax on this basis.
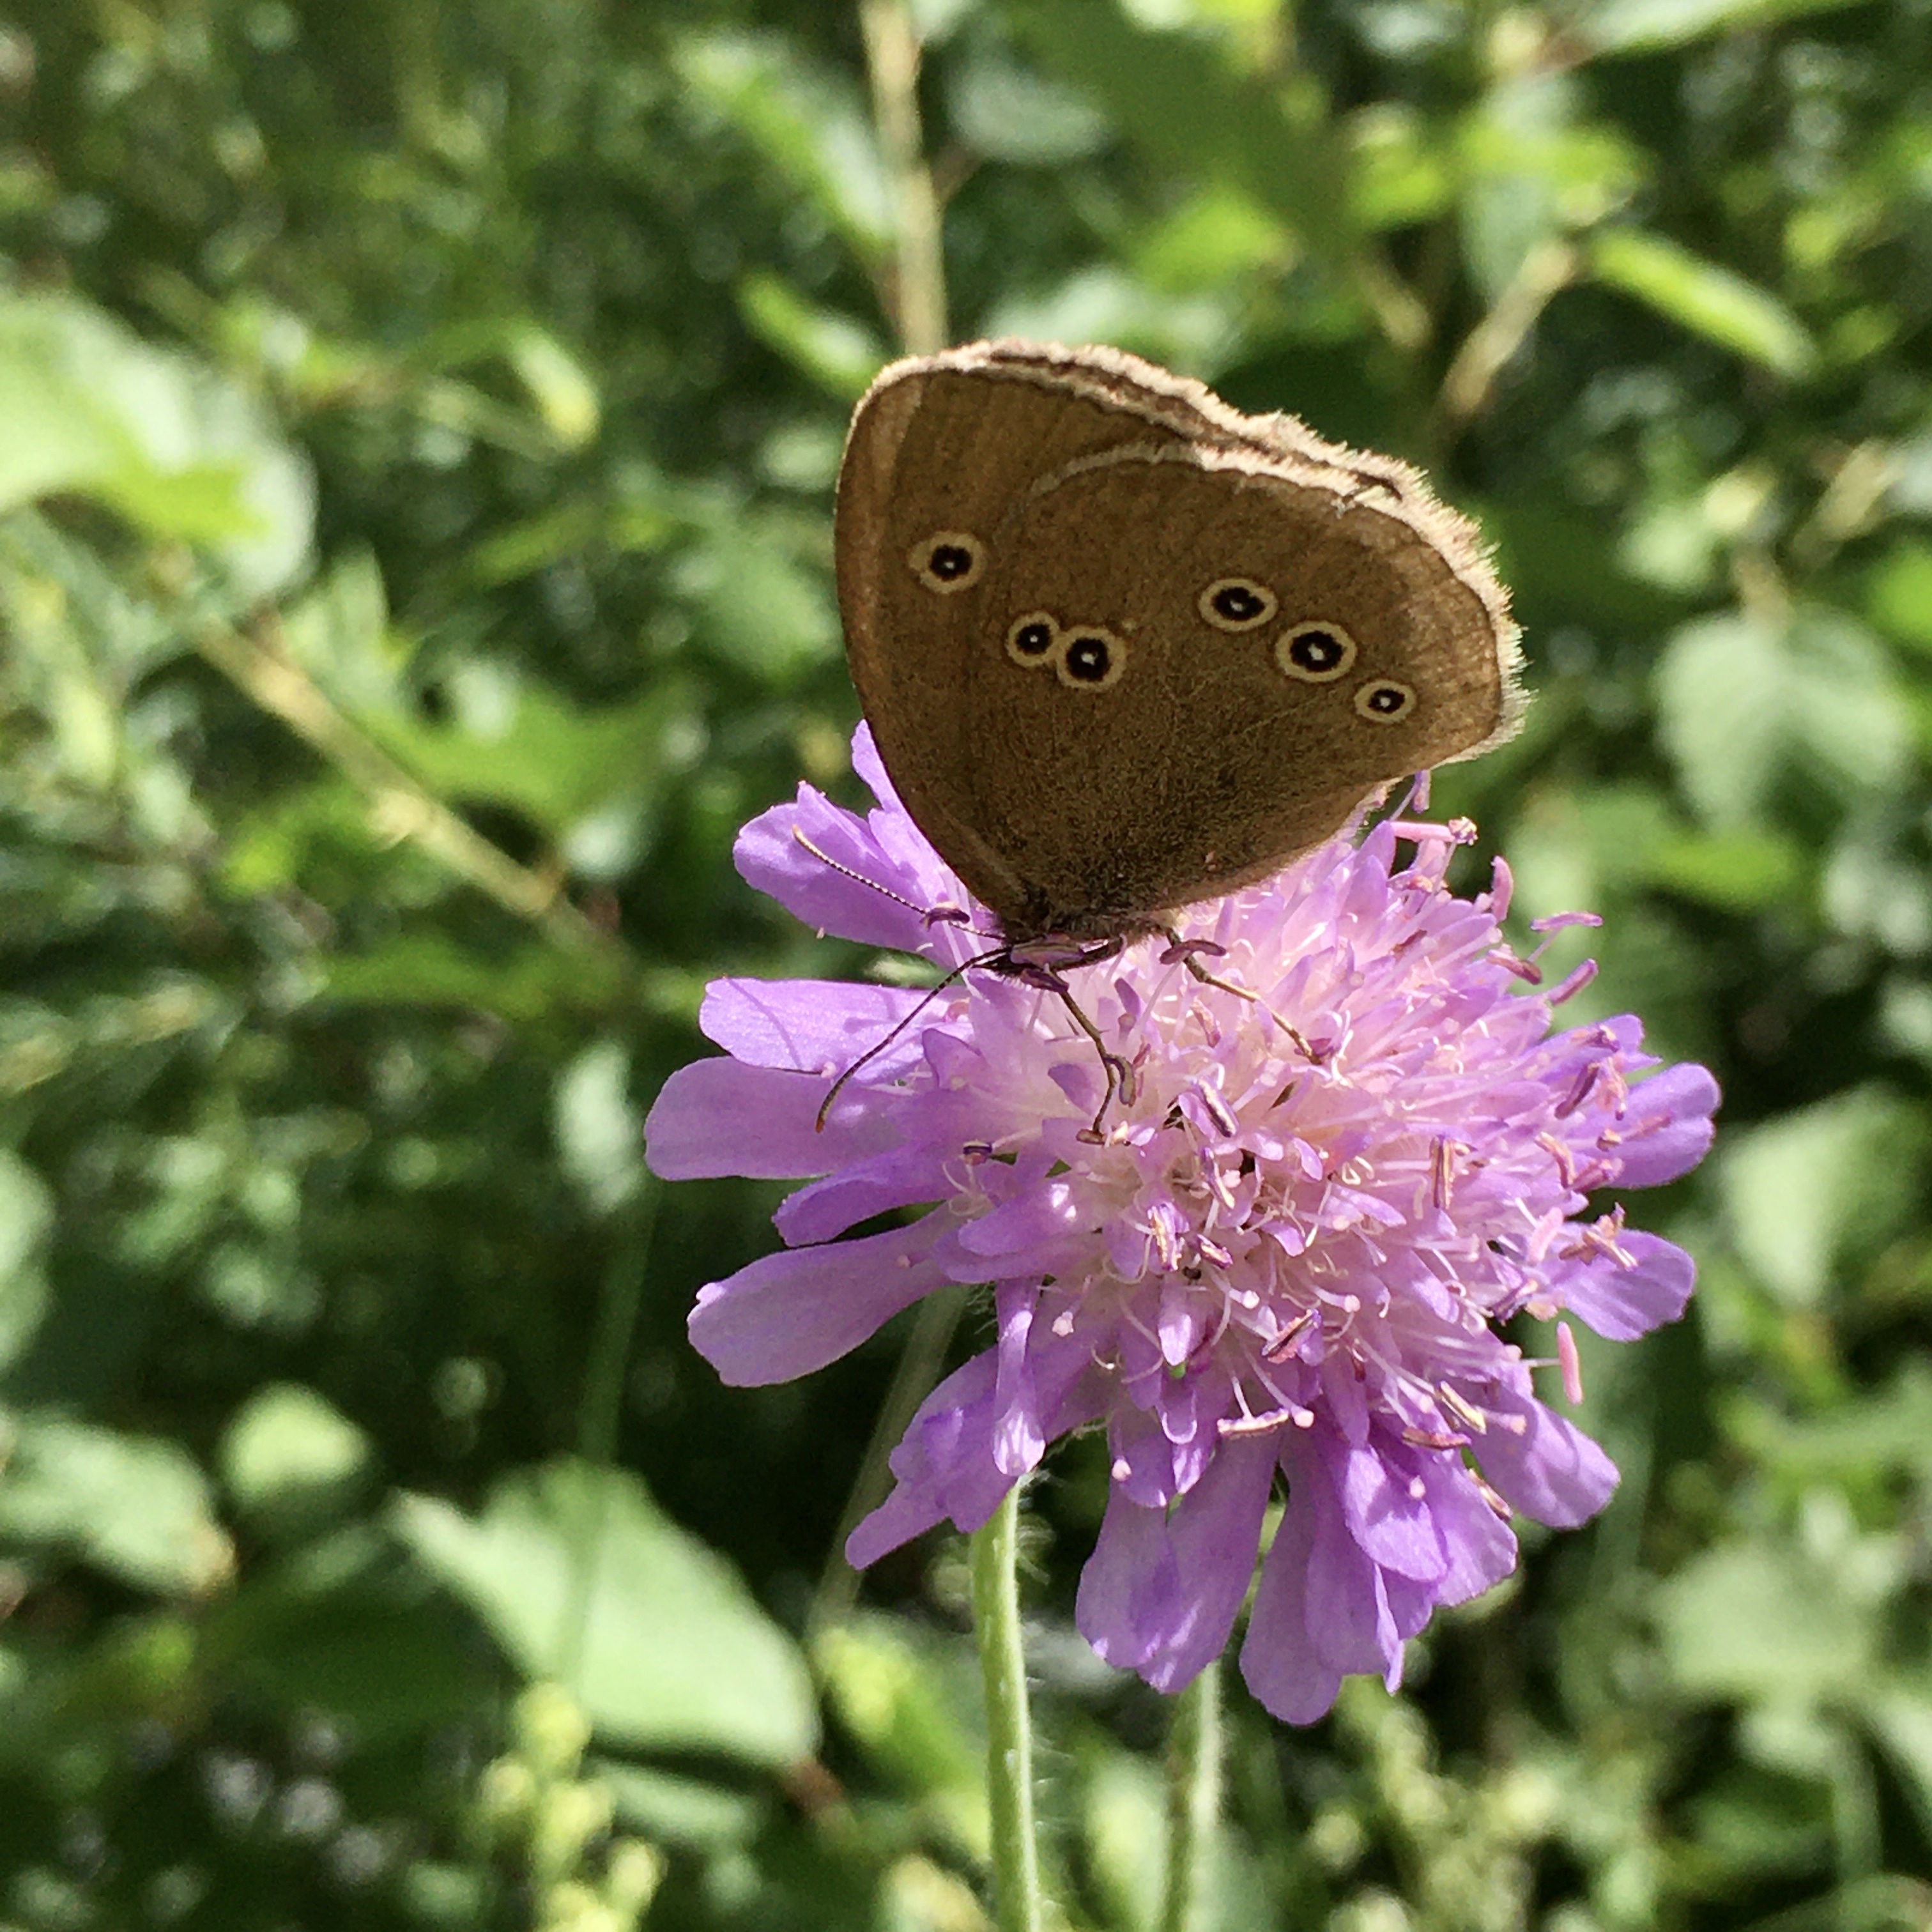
(1124, 648)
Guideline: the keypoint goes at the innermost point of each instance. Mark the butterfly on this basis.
(1124, 648)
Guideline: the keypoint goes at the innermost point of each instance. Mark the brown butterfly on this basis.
(1124, 648)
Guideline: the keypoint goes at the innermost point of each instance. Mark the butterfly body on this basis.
(1122, 648)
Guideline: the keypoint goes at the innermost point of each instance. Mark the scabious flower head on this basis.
(1289, 1256)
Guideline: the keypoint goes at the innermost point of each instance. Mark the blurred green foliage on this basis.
(417, 422)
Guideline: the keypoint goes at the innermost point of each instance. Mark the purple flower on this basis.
(1289, 1256)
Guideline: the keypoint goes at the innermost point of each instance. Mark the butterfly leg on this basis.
(1121, 1079)
(1186, 952)
(1042, 964)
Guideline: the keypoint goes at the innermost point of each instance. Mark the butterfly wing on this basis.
(1031, 545)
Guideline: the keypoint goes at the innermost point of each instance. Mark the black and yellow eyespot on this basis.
(948, 560)
(1317, 652)
(1382, 701)
(1031, 639)
(1236, 603)
(1089, 658)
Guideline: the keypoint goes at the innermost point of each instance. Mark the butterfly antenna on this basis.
(879, 1046)
(932, 915)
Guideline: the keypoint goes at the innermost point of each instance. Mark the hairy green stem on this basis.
(1193, 1799)
(996, 1616)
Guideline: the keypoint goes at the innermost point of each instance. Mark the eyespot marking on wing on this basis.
(1032, 639)
(1236, 603)
(1090, 658)
(1382, 701)
(947, 561)
(1316, 651)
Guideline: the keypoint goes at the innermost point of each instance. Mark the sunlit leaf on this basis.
(1898, 593)
(87, 408)
(580, 1577)
(1173, 96)
(1010, 113)
(1702, 297)
(289, 1458)
(1815, 1187)
(910, 1705)
(1751, 1621)
(600, 1135)
(26, 1218)
(137, 1507)
(839, 354)
(1748, 705)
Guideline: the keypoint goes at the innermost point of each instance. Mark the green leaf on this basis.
(1898, 593)
(1702, 297)
(338, 632)
(135, 1507)
(1746, 705)
(342, 1627)
(1813, 1190)
(1740, 871)
(1884, 1430)
(1400, 174)
(1216, 236)
(1101, 304)
(1123, 1818)
(290, 1460)
(1009, 113)
(760, 608)
(676, 1810)
(1755, 1622)
(839, 354)
(533, 981)
(910, 1703)
(570, 1564)
(563, 390)
(87, 408)
(599, 1134)
(1900, 1716)
(517, 742)
(1532, 169)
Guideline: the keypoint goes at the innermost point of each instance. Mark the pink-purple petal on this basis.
(820, 1027)
(1479, 1546)
(841, 882)
(718, 1117)
(1552, 1471)
(1160, 1592)
(795, 1311)
(1621, 1302)
(1665, 1130)
(1279, 1659)
(900, 1178)
(944, 1466)
(1393, 1524)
